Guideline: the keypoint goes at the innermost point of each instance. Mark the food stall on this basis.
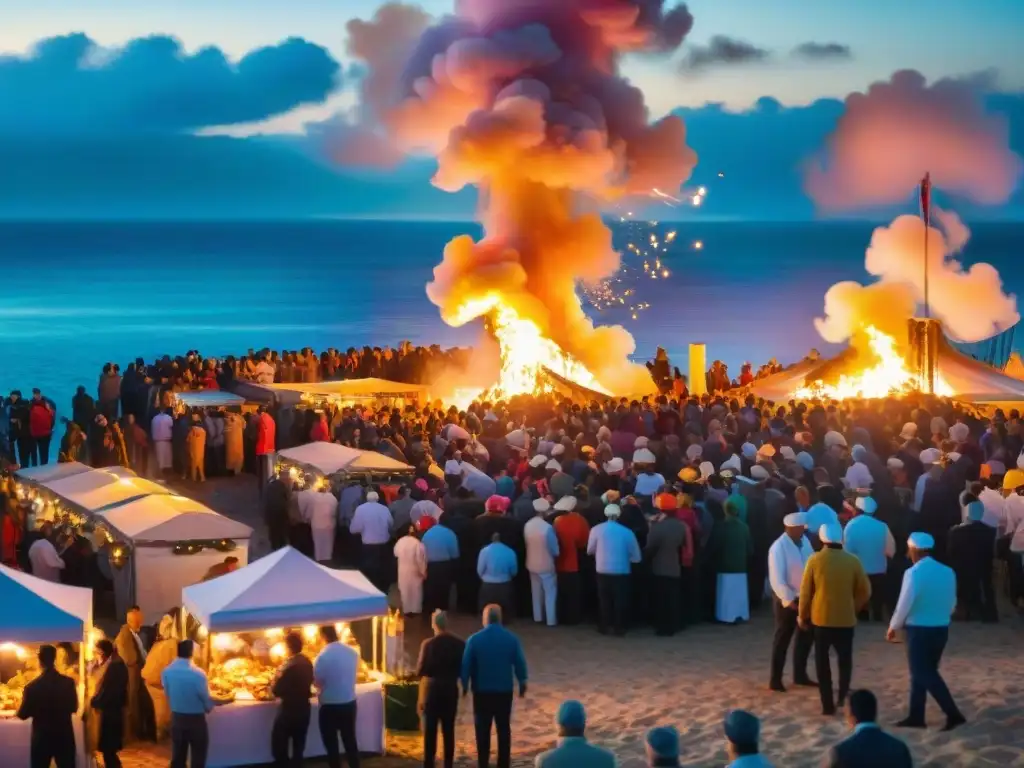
(206, 398)
(313, 464)
(370, 393)
(37, 612)
(243, 618)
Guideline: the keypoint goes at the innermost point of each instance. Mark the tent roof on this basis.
(208, 398)
(170, 518)
(100, 488)
(283, 589)
(39, 611)
(331, 458)
(355, 388)
(50, 472)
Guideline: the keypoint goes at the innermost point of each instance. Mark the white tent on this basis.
(208, 398)
(100, 488)
(40, 611)
(50, 472)
(283, 589)
(330, 459)
(170, 518)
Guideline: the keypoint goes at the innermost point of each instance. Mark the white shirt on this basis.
(786, 561)
(45, 562)
(372, 522)
(927, 597)
(318, 509)
(648, 484)
(334, 671)
(162, 427)
(1013, 517)
(264, 373)
(919, 492)
(995, 508)
(871, 541)
(412, 557)
(538, 535)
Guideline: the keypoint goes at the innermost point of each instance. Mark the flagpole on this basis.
(926, 200)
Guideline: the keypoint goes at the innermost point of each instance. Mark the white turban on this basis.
(566, 504)
(787, 453)
(858, 476)
(834, 439)
(541, 505)
(558, 450)
(612, 511)
(643, 456)
(733, 463)
(539, 460)
(757, 472)
(858, 452)
(909, 431)
(893, 463)
(694, 452)
(707, 469)
(640, 442)
(795, 520)
(452, 467)
(553, 465)
(930, 455)
(614, 465)
(372, 497)
(959, 433)
(866, 504)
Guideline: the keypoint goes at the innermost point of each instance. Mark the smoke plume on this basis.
(522, 99)
(889, 137)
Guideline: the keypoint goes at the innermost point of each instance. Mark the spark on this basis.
(670, 236)
(698, 245)
(702, 191)
(697, 200)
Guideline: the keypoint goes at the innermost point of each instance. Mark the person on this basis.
(743, 732)
(573, 532)
(541, 551)
(787, 558)
(731, 546)
(972, 546)
(615, 549)
(133, 653)
(923, 610)
(188, 696)
(868, 746)
(334, 673)
(44, 561)
(195, 443)
(160, 656)
(442, 547)
(319, 509)
(372, 523)
(871, 541)
(293, 685)
(496, 565)
(50, 701)
(162, 432)
(438, 668)
(109, 701)
(662, 747)
(573, 750)
(228, 565)
(666, 547)
(40, 425)
(833, 591)
(411, 555)
(266, 434)
(493, 656)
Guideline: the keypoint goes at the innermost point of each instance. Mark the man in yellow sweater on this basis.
(834, 589)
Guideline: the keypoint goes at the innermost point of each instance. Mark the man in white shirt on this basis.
(372, 523)
(871, 541)
(161, 430)
(923, 610)
(786, 560)
(265, 371)
(43, 557)
(334, 674)
(541, 551)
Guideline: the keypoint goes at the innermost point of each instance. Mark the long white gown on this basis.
(320, 510)
(412, 570)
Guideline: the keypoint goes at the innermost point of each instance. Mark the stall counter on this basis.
(16, 741)
(240, 731)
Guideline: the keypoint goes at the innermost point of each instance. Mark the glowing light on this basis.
(664, 273)
(309, 632)
(702, 191)
(697, 200)
(721, 175)
(124, 480)
(293, 472)
(202, 631)
(278, 651)
(20, 653)
(670, 236)
(223, 642)
(273, 632)
(698, 245)
(887, 377)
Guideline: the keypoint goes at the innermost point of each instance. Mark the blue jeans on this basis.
(924, 652)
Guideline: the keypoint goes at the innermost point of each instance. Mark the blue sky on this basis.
(937, 37)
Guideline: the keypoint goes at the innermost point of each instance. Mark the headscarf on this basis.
(497, 504)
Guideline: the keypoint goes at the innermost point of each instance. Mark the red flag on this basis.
(926, 198)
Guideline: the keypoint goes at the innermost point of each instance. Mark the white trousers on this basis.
(164, 454)
(323, 544)
(731, 600)
(544, 588)
(410, 587)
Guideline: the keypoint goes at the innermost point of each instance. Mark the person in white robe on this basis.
(412, 570)
(319, 508)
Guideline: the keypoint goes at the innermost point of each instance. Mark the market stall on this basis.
(243, 618)
(37, 612)
(312, 464)
(97, 489)
(207, 398)
(371, 393)
(30, 476)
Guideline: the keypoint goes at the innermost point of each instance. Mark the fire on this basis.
(888, 376)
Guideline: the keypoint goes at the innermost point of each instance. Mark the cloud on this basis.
(723, 51)
(69, 85)
(812, 51)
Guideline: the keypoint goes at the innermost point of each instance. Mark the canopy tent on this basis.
(51, 472)
(331, 459)
(100, 488)
(350, 390)
(283, 589)
(208, 398)
(170, 518)
(40, 611)
(779, 387)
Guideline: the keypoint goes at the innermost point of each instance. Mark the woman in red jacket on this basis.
(40, 427)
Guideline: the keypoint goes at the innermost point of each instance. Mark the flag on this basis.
(926, 198)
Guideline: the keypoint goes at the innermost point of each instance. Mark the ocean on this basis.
(77, 295)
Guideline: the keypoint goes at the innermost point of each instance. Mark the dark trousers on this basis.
(976, 595)
(612, 597)
(440, 711)
(665, 604)
(263, 469)
(41, 449)
(570, 601)
(437, 587)
(61, 753)
(26, 451)
(374, 564)
(493, 709)
(785, 628)
(840, 638)
(924, 652)
(339, 720)
(111, 760)
(189, 738)
(289, 734)
(879, 584)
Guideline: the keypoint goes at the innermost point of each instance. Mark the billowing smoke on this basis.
(522, 99)
(889, 137)
(847, 304)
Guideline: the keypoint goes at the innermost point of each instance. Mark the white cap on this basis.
(795, 520)
(805, 460)
(757, 472)
(959, 432)
(787, 453)
(539, 460)
(614, 465)
(858, 476)
(831, 533)
(372, 496)
(909, 431)
(920, 540)
(749, 450)
(541, 505)
(553, 465)
(930, 455)
(733, 463)
(893, 463)
(612, 511)
(694, 452)
(558, 450)
(834, 439)
(643, 456)
(707, 469)
(766, 451)
(566, 504)
(452, 467)
(953, 456)
(640, 442)
(866, 504)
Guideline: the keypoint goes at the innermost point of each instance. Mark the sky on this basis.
(312, 79)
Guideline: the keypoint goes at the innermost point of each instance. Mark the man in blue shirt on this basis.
(491, 659)
(573, 750)
(743, 732)
(442, 547)
(924, 608)
(188, 696)
(614, 548)
(497, 565)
